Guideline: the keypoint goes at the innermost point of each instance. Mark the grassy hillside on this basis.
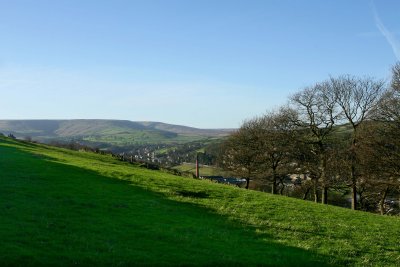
(62, 207)
(203, 170)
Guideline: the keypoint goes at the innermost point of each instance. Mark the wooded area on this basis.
(339, 136)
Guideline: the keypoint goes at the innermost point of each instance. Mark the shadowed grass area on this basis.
(62, 207)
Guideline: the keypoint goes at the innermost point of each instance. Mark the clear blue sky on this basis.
(208, 64)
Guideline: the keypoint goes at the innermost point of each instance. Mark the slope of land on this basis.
(204, 170)
(61, 207)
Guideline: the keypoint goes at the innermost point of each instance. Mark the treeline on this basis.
(338, 137)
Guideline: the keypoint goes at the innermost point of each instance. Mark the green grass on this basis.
(61, 207)
(203, 170)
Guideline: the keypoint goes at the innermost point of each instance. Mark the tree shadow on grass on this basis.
(77, 216)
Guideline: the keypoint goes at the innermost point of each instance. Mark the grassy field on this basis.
(61, 207)
(203, 169)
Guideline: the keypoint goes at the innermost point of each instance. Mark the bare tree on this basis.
(318, 113)
(386, 140)
(395, 84)
(261, 146)
(356, 97)
(241, 152)
(277, 136)
(388, 108)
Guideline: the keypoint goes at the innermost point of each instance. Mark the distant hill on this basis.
(179, 129)
(107, 131)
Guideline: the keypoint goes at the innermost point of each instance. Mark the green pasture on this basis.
(64, 208)
(203, 170)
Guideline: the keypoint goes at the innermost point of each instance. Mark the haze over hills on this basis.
(98, 130)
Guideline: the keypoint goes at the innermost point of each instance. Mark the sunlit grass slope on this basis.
(60, 207)
(204, 170)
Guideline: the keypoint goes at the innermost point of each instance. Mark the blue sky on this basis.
(207, 64)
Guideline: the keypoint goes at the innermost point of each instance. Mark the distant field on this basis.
(64, 208)
(140, 137)
(203, 170)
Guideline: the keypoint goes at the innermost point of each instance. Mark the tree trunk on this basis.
(316, 196)
(382, 201)
(273, 191)
(324, 196)
(306, 193)
(353, 172)
(282, 188)
(247, 183)
(353, 188)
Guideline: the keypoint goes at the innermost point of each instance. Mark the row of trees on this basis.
(341, 134)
